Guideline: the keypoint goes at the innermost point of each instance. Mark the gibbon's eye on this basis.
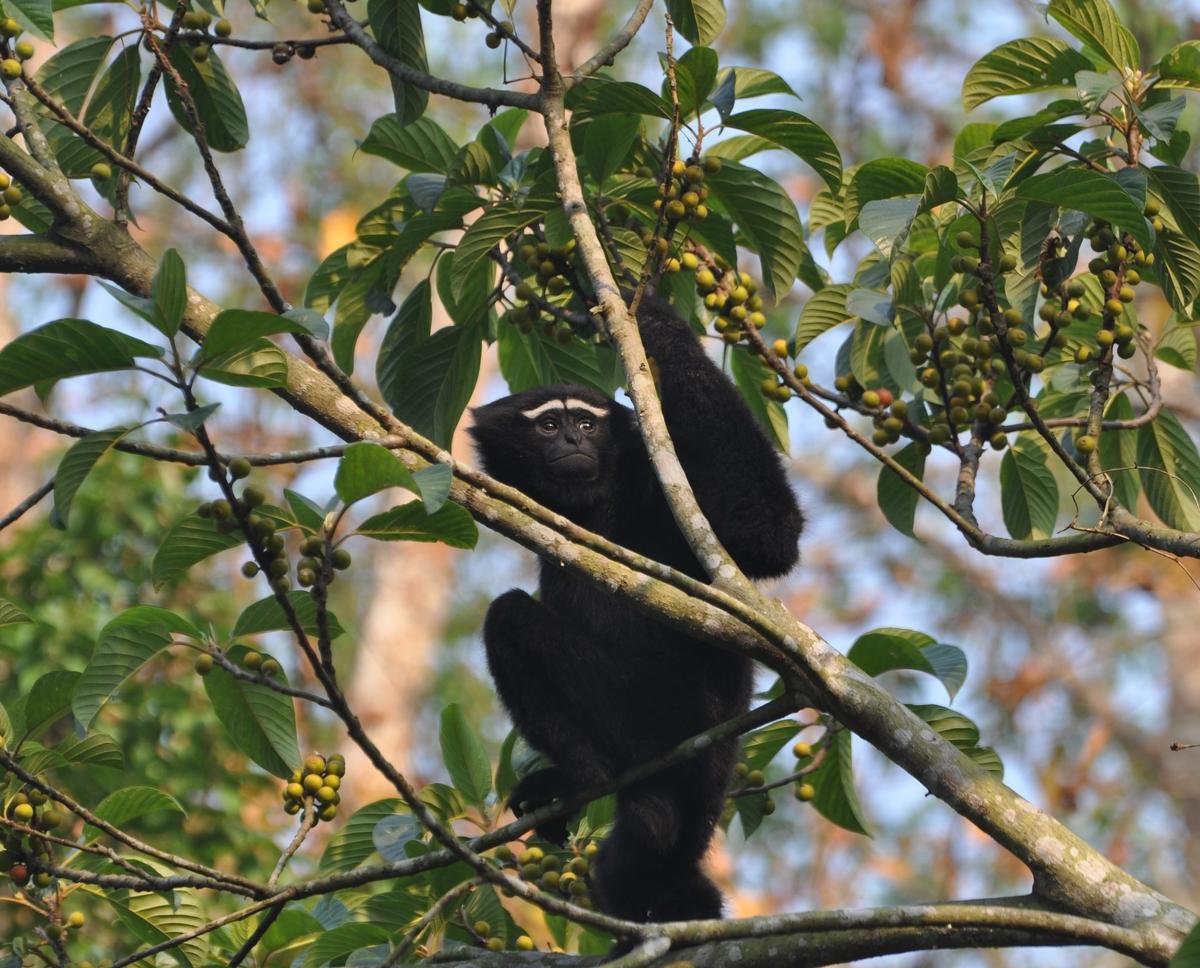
(548, 425)
(586, 424)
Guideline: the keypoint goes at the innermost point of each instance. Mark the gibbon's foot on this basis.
(537, 789)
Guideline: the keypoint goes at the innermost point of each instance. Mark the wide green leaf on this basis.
(1169, 467)
(699, 21)
(37, 15)
(397, 27)
(267, 615)
(259, 363)
(126, 643)
(367, 468)
(354, 843)
(129, 803)
(1118, 453)
(1180, 191)
(823, 311)
(762, 745)
(1028, 493)
(169, 293)
(190, 540)
(607, 142)
(836, 798)
(48, 701)
(464, 755)
(409, 327)
(794, 132)
(236, 329)
(68, 74)
(1096, 23)
(486, 232)
(420, 145)
(11, 615)
(218, 104)
(65, 348)
(1022, 67)
(887, 649)
(749, 371)
(432, 382)
(1177, 270)
(156, 918)
(602, 95)
(1188, 953)
(951, 725)
(1177, 345)
(1180, 66)
(95, 749)
(451, 525)
(433, 483)
(695, 75)
(1092, 192)
(74, 467)
(534, 359)
(767, 217)
(260, 721)
(335, 945)
(897, 500)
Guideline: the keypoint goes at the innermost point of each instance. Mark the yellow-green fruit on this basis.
(549, 881)
(76, 919)
(336, 765)
(24, 49)
(481, 928)
(531, 855)
(291, 808)
(204, 664)
(459, 11)
(327, 794)
(1126, 294)
(676, 209)
(223, 28)
(999, 441)
(1085, 444)
(705, 279)
(9, 27)
(738, 295)
(1085, 354)
(333, 781)
(591, 850)
(969, 299)
(700, 211)
(755, 778)
(23, 813)
(10, 67)
(200, 53)
(1105, 338)
(712, 164)
(315, 764)
(805, 791)
(271, 668)
(252, 660)
(328, 812)
(523, 943)
(494, 944)
(493, 40)
(295, 791)
(312, 783)
(678, 167)
(689, 260)
(801, 750)
(239, 468)
(530, 872)
(871, 399)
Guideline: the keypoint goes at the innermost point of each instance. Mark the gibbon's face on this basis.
(554, 443)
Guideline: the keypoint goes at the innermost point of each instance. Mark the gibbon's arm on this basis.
(734, 470)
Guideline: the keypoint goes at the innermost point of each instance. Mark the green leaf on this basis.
(695, 75)
(767, 217)
(169, 292)
(409, 327)
(823, 311)
(608, 141)
(884, 650)
(1180, 190)
(68, 74)
(433, 381)
(941, 186)
(306, 511)
(534, 359)
(11, 615)
(121, 806)
(259, 364)
(267, 615)
(1022, 67)
(397, 909)
(234, 330)
(392, 835)
(1177, 269)
(37, 15)
(1177, 345)
(487, 231)
(1169, 467)
(216, 98)
(698, 21)
(260, 721)
(748, 371)
(450, 524)
(602, 95)
(95, 749)
(420, 145)
(126, 643)
(397, 27)
(1091, 192)
(952, 726)
(1118, 453)
(897, 500)
(883, 178)
(367, 468)
(464, 755)
(334, 945)
(1097, 25)
(190, 540)
(434, 485)
(75, 466)
(1180, 66)
(836, 799)
(762, 745)
(886, 221)
(794, 132)
(49, 700)
(751, 82)
(1028, 493)
(65, 348)
(155, 918)
(353, 843)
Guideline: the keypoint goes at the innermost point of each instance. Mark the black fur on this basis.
(591, 682)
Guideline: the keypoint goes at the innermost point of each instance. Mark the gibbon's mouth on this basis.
(573, 463)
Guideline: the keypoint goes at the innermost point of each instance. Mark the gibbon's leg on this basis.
(560, 687)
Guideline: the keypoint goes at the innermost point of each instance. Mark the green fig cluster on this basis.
(316, 781)
(685, 195)
(10, 195)
(733, 297)
(563, 872)
(311, 566)
(1117, 266)
(20, 853)
(547, 279)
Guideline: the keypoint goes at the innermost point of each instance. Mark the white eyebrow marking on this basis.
(542, 408)
(576, 404)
